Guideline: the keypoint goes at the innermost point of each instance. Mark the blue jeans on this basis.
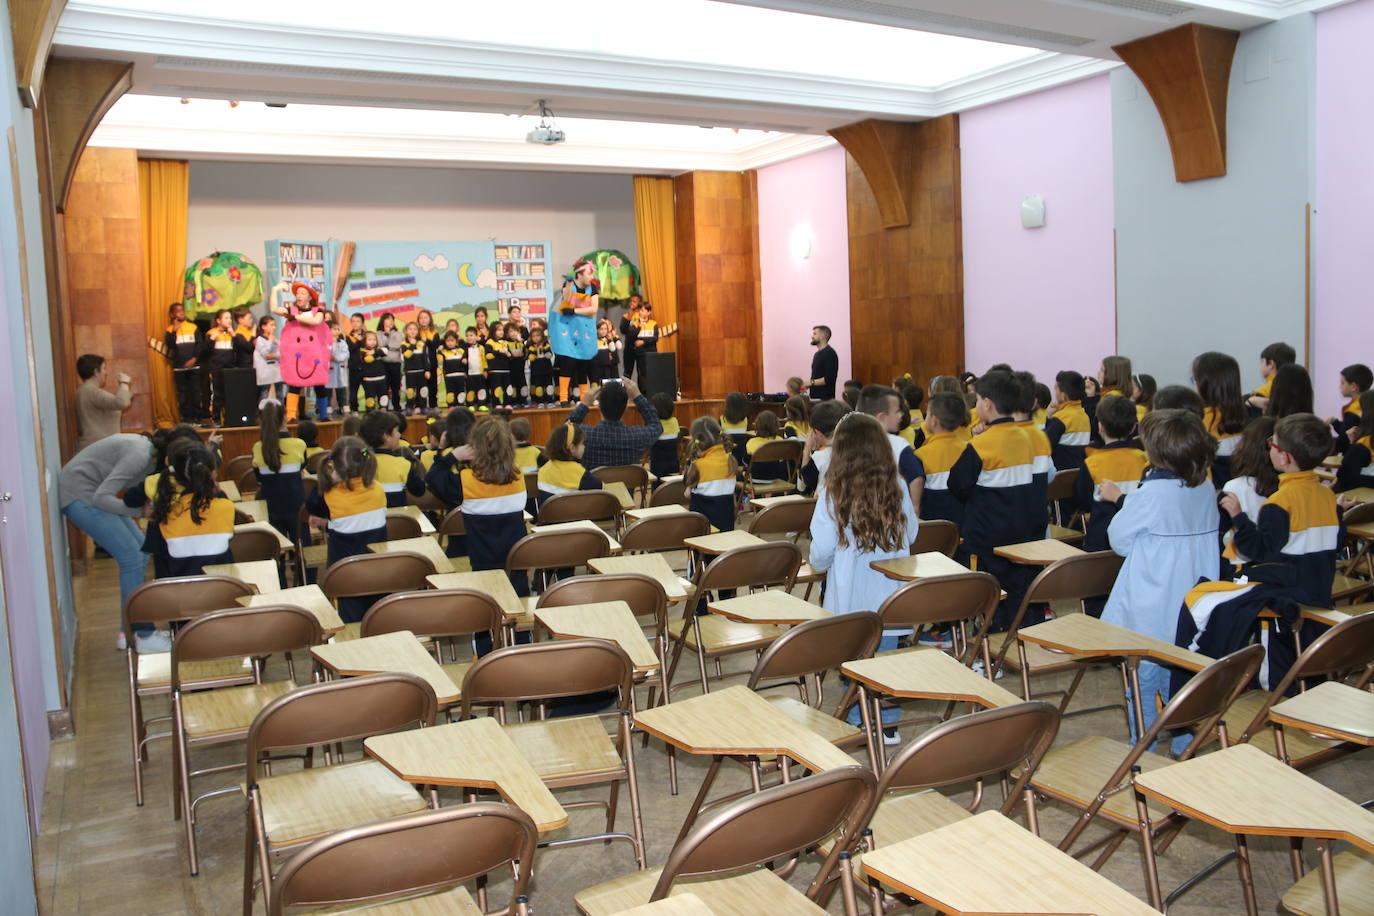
(890, 714)
(272, 390)
(1155, 679)
(120, 537)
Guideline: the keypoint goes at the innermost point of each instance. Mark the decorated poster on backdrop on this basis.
(451, 279)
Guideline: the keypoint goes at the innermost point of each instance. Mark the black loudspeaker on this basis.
(658, 373)
(240, 397)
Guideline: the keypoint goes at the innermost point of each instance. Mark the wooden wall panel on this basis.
(716, 221)
(105, 307)
(906, 288)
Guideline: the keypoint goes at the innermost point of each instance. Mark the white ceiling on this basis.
(794, 68)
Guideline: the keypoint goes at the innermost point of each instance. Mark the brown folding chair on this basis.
(786, 450)
(247, 546)
(791, 519)
(201, 717)
(1059, 490)
(167, 601)
(425, 858)
(661, 533)
(453, 525)
(539, 552)
(585, 505)
(427, 502)
(1090, 575)
(673, 493)
(312, 464)
(635, 477)
(970, 597)
(233, 468)
(1093, 775)
(304, 805)
(712, 636)
(570, 751)
(375, 574)
(400, 527)
(721, 853)
(247, 482)
(438, 614)
(936, 536)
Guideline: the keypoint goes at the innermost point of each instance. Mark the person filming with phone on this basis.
(611, 442)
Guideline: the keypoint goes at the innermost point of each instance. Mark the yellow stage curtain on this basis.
(657, 249)
(164, 199)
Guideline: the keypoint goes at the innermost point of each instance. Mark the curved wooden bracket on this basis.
(1187, 71)
(882, 151)
(76, 96)
(33, 23)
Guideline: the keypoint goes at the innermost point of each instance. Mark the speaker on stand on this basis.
(658, 374)
(240, 397)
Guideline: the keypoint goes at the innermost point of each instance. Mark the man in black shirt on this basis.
(825, 365)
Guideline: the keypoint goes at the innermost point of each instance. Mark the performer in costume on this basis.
(305, 344)
(572, 329)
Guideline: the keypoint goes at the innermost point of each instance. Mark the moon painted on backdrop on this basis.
(463, 274)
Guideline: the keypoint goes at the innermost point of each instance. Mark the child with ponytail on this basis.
(711, 474)
(563, 471)
(352, 505)
(196, 525)
(278, 459)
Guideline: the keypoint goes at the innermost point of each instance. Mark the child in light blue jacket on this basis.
(338, 371)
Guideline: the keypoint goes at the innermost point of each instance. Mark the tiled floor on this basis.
(99, 853)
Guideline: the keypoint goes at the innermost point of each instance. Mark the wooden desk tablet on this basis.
(1079, 634)
(1037, 553)
(261, 574)
(716, 544)
(1333, 616)
(653, 565)
(306, 597)
(618, 489)
(493, 582)
(282, 540)
(773, 606)
(1360, 494)
(474, 754)
(636, 515)
(398, 651)
(610, 620)
(764, 502)
(1331, 461)
(1330, 709)
(928, 674)
(425, 546)
(426, 526)
(921, 566)
(230, 490)
(738, 721)
(673, 905)
(989, 864)
(582, 525)
(256, 509)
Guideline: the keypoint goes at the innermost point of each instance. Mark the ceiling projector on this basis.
(545, 135)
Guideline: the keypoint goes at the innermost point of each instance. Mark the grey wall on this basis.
(1217, 264)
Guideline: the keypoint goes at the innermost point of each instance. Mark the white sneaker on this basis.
(979, 670)
(891, 737)
(156, 641)
(121, 643)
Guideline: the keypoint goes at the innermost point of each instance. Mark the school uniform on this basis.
(1226, 445)
(812, 473)
(796, 429)
(282, 489)
(646, 340)
(454, 366)
(1243, 488)
(519, 384)
(243, 347)
(476, 379)
(606, 361)
(1348, 420)
(1004, 508)
(419, 372)
(493, 514)
(218, 354)
(764, 471)
(432, 341)
(357, 517)
(374, 380)
(713, 494)
(1121, 462)
(558, 477)
(909, 467)
(184, 343)
(738, 434)
(663, 460)
(498, 371)
(355, 368)
(630, 356)
(1069, 431)
(543, 386)
(398, 475)
(1043, 470)
(952, 468)
(192, 545)
(153, 545)
(527, 457)
(1357, 466)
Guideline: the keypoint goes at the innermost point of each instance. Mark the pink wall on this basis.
(1343, 324)
(1042, 299)
(801, 196)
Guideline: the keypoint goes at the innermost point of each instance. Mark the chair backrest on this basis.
(556, 549)
(642, 593)
(664, 532)
(426, 502)
(400, 527)
(531, 485)
(434, 613)
(789, 450)
(375, 574)
(938, 534)
(942, 599)
(233, 468)
(349, 709)
(1346, 646)
(255, 544)
(248, 481)
(584, 505)
(453, 523)
(247, 631)
(309, 485)
(546, 671)
(770, 563)
(777, 822)
(1089, 575)
(1062, 485)
(1204, 699)
(312, 464)
(1358, 514)
(406, 855)
(790, 517)
(165, 600)
(633, 476)
(818, 646)
(243, 518)
(673, 493)
(991, 741)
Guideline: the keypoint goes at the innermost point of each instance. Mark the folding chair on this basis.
(312, 464)
(792, 519)
(247, 546)
(786, 450)
(435, 615)
(247, 482)
(571, 751)
(424, 858)
(377, 574)
(233, 468)
(958, 600)
(400, 527)
(166, 601)
(453, 525)
(672, 493)
(635, 477)
(287, 810)
(1057, 494)
(202, 717)
(712, 636)
(936, 535)
(541, 552)
(718, 859)
(585, 505)
(661, 533)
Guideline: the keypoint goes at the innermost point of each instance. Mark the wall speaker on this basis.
(658, 374)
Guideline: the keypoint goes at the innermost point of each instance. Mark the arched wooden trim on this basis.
(1187, 71)
(881, 149)
(76, 95)
(33, 24)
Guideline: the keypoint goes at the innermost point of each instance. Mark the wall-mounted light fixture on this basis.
(1033, 212)
(801, 242)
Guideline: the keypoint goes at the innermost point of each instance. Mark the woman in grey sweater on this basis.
(390, 338)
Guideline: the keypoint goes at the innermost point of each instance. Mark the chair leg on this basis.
(701, 654)
(136, 738)
(632, 778)
(249, 852)
(611, 806)
(1247, 878)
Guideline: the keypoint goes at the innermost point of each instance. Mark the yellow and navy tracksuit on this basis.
(713, 490)
(527, 457)
(1043, 466)
(1069, 432)
(357, 517)
(1005, 507)
(1263, 390)
(192, 545)
(1299, 526)
(282, 489)
(558, 477)
(738, 433)
(1038, 418)
(454, 366)
(1226, 443)
(542, 384)
(373, 373)
(796, 429)
(913, 434)
(397, 475)
(184, 344)
(1357, 467)
(1348, 420)
(1120, 462)
(952, 467)
(417, 359)
(498, 370)
(764, 471)
(137, 498)
(663, 461)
